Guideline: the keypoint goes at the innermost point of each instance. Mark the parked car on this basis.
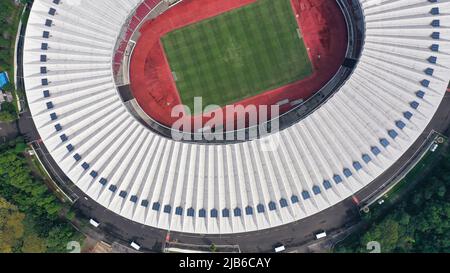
(321, 234)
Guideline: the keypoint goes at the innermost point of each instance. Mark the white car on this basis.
(135, 246)
(280, 249)
(434, 147)
(94, 223)
(321, 235)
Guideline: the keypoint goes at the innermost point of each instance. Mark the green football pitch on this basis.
(238, 54)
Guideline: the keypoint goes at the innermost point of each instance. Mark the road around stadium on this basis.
(116, 228)
(296, 236)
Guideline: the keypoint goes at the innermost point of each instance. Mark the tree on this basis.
(386, 233)
(11, 226)
(34, 202)
(58, 238)
(420, 223)
(7, 117)
(32, 243)
(213, 248)
(8, 112)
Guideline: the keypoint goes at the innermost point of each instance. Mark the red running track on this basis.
(324, 32)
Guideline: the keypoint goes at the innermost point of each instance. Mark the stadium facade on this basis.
(357, 131)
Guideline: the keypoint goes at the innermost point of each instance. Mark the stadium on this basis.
(357, 83)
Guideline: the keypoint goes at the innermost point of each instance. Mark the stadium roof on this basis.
(340, 148)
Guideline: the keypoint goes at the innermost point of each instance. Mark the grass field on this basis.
(238, 54)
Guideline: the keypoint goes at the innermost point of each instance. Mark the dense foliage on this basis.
(8, 112)
(11, 226)
(9, 17)
(32, 208)
(420, 223)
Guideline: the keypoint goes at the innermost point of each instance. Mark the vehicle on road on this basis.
(135, 246)
(434, 147)
(94, 223)
(320, 235)
(280, 248)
